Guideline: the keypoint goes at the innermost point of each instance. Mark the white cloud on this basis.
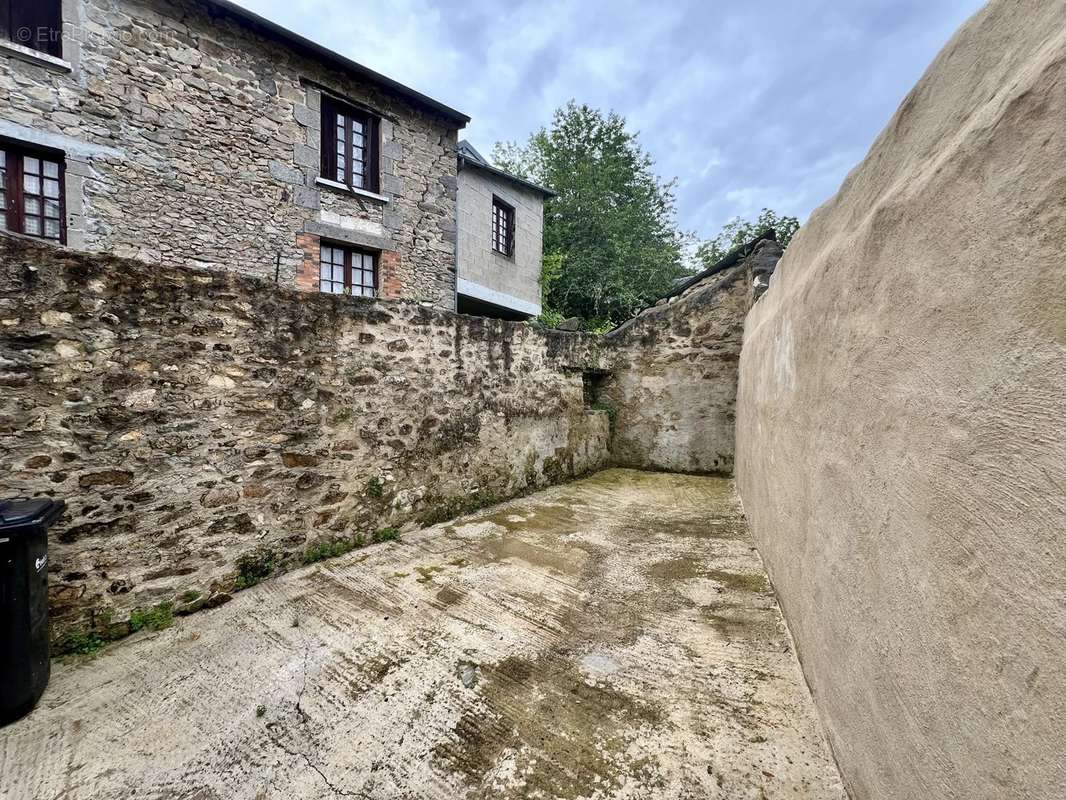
(750, 105)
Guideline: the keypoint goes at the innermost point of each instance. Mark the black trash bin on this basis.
(24, 667)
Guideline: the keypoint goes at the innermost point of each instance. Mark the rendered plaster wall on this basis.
(191, 139)
(517, 277)
(196, 421)
(901, 442)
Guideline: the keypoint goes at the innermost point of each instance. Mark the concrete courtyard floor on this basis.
(611, 638)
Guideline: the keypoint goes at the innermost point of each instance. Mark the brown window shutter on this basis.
(329, 140)
(5, 21)
(36, 23)
(375, 154)
(510, 233)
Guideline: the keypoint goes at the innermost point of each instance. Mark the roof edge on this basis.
(464, 161)
(264, 25)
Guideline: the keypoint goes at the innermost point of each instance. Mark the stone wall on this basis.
(505, 279)
(673, 383)
(190, 139)
(902, 430)
(205, 426)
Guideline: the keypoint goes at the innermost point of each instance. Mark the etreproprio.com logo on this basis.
(73, 33)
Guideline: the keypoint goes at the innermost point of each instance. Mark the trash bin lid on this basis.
(23, 512)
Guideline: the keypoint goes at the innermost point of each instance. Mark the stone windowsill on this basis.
(341, 187)
(36, 57)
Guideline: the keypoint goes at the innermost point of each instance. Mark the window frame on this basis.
(348, 286)
(35, 15)
(501, 208)
(15, 155)
(371, 174)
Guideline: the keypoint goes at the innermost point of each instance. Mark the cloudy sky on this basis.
(748, 103)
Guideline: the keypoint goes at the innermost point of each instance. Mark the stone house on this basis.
(195, 132)
(501, 232)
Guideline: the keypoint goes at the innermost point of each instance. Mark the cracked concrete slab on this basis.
(611, 638)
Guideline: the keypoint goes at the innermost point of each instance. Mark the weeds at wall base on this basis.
(257, 566)
(89, 643)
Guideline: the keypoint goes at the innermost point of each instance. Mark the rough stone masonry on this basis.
(207, 429)
(672, 385)
(190, 137)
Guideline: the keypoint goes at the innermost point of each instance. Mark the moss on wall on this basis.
(209, 430)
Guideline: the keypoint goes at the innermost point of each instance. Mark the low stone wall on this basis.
(207, 429)
(902, 430)
(673, 382)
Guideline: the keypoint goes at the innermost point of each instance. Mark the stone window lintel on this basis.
(35, 57)
(341, 187)
(348, 236)
(325, 91)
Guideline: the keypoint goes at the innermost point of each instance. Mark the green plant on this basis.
(739, 232)
(549, 319)
(343, 415)
(327, 548)
(386, 535)
(375, 488)
(611, 241)
(156, 618)
(442, 509)
(189, 596)
(254, 567)
(611, 411)
(80, 643)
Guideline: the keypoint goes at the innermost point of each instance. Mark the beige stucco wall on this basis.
(902, 430)
(517, 277)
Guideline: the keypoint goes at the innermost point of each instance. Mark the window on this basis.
(33, 23)
(349, 146)
(502, 227)
(345, 271)
(31, 193)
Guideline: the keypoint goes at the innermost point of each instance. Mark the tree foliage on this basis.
(739, 232)
(611, 245)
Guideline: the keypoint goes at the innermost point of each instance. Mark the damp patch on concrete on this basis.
(611, 638)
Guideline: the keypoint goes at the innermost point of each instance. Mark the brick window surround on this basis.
(308, 274)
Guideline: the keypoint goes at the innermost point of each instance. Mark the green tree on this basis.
(739, 232)
(611, 244)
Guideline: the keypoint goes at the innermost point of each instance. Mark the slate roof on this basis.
(469, 156)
